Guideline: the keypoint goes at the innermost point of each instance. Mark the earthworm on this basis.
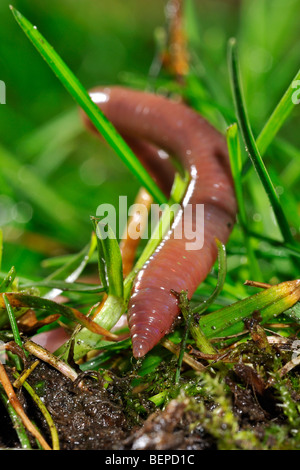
(202, 151)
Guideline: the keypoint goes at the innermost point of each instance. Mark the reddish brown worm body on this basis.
(153, 122)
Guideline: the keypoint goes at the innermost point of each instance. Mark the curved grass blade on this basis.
(78, 92)
(278, 117)
(8, 280)
(72, 269)
(44, 411)
(251, 146)
(275, 121)
(1, 247)
(65, 286)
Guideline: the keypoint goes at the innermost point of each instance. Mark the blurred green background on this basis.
(54, 174)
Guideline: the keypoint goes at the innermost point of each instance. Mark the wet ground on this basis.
(91, 414)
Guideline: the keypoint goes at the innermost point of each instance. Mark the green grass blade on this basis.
(48, 418)
(235, 156)
(71, 270)
(80, 95)
(234, 150)
(8, 280)
(275, 121)
(1, 247)
(110, 259)
(111, 275)
(107, 317)
(64, 286)
(278, 117)
(251, 146)
(13, 322)
(220, 283)
(270, 303)
(16, 421)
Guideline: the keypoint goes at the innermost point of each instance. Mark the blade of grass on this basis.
(77, 91)
(235, 156)
(112, 259)
(8, 280)
(87, 340)
(220, 283)
(1, 247)
(270, 303)
(251, 146)
(111, 274)
(289, 248)
(46, 356)
(44, 411)
(72, 269)
(114, 306)
(62, 286)
(13, 323)
(278, 117)
(16, 421)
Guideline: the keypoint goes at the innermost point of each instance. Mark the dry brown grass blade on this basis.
(20, 300)
(15, 403)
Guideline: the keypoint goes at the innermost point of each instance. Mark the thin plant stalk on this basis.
(45, 413)
(234, 151)
(46, 356)
(251, 145)
(13, 323)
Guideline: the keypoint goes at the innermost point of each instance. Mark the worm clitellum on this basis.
(143, 119)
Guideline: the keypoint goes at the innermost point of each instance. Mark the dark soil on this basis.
(91, 414)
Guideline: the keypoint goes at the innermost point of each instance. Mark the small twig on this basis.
(186, 357)
(289, 366)
(25, 374)
(14, 401)
(15, 349)
(262, 285)
(54, 361)
(210, 357)
(87, 373)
